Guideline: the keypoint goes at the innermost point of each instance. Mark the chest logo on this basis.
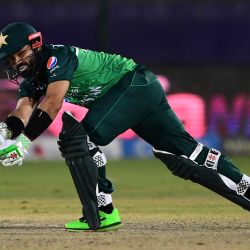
(52, 62)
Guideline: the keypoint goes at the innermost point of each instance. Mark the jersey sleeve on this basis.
(61, 64)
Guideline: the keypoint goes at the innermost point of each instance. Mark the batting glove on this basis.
(12, 152)
(5, 133)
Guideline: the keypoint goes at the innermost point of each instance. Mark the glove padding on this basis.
(5, 133)
(12, 153)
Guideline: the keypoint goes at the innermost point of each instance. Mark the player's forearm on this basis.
(53, 100)
(38, 123)
(51, 106)
(24, 109)
(43, 116)
(23, 115)
(17, 119)
(47, 110)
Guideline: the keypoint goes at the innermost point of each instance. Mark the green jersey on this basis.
(90, 73)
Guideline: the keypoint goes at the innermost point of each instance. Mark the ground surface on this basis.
(159, 211)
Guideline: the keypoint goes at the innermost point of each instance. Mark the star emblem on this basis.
(3, 40)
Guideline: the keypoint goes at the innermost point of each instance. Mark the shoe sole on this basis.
(112, 227)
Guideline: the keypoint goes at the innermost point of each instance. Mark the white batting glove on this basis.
(5, 133)
(12, 152)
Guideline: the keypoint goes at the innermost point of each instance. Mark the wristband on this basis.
(15, 125)
(38, 123)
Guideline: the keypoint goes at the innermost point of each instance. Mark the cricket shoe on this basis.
(109, 222)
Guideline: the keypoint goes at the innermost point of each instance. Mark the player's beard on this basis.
(30, 70)
(24, 70)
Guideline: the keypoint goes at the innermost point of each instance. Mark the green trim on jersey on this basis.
(96, 73)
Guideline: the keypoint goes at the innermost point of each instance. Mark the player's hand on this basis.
(12, 153)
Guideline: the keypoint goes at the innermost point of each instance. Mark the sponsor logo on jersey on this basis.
(53, 69)
(51, 62)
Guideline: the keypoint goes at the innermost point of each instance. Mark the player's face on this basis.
(21, 60)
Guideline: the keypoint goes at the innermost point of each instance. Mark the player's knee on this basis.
(178, 165)
(73, 138)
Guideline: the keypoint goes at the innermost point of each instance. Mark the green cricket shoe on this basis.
(109, 222)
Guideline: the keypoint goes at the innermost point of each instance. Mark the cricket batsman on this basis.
(119, 94)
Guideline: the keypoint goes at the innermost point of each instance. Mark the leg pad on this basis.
(74, 148)
(207, 177)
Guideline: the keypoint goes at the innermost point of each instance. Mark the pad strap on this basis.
(103, 199)
(96, 153)
(100, 159)
(91, 145)
(243, 185)
(196, 152)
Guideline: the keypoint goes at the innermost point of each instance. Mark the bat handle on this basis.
(2, 140)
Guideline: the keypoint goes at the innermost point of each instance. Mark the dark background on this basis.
(204, 42)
